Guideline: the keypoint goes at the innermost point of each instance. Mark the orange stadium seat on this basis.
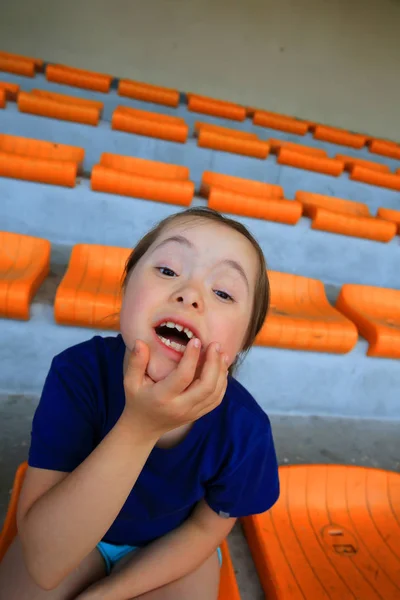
(391, 215)
(350, 162)
(216, 108)
(345, 217)
(24, 264)
(334, 534)
(20, 65)
(223, 139)
(276, 145)
(59, 106)
(90, 293)
(385, 148)
(273, 209)
(320, 164)
(11, 90)
(360, 173)
(301, 318)
(65, 99)
(376, 312)
(239, 185)
(38, 160)
(148, 93)
(339, 136)
(280, 122)
(228, 589)
(80, 78)
(139, 178)
(157, 125)
(144, 167)
(23, 146)
(3, 99)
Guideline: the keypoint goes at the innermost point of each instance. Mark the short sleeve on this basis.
(64, 425)
(249, 488)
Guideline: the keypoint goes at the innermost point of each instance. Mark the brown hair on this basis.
(262, 291)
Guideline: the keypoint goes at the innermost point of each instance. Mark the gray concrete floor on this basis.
(298, 440)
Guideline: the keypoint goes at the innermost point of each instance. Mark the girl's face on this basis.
(199, 276)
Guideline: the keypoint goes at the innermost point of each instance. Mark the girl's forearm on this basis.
(67, 522)
(167, 559)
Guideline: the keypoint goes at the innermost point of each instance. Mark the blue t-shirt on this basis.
(228, 456)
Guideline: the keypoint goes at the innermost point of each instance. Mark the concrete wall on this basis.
(335, 62)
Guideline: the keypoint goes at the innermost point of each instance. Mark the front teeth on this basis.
(173, 345)
(172, 325)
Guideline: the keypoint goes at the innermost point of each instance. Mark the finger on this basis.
(204, 387)
(215, 399)
(137, 365)
(181, 377)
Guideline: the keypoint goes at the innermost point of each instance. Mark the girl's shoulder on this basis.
(92, 352)
(239, 416)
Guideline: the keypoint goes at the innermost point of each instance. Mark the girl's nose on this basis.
(190, 297)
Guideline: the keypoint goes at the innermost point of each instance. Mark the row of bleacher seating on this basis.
(214, 137)
(300, 317)
(89, 80)
(333, 534)
(59, 164)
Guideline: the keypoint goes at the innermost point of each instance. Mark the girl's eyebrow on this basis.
(180, 239)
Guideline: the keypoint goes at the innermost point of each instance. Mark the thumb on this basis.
(137, 365)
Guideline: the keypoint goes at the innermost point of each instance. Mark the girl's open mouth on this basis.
(173, 335)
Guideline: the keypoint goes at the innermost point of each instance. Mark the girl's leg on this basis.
(16, 583)
(201, 584)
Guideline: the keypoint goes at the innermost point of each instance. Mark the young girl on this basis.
(144, 448)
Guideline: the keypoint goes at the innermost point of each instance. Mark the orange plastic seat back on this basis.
(334, 534)
(11, 90)
(113, 181)
(239, 185)
(157, 125)
(388, 214)
(144, 167)
(56, 108)
(385, 148)
(373, 177)
(216, 108)
(328, 166)
(23, 146)
(88, 80)
(9, 530)
(350, 162)
(311, 200)
(271, 209)
(148, 93)
(276, 145)
(300, 317)
(90, 292)
(237, 133)
(24, 264)
(280, 122)
(376, 312)
(339, 136)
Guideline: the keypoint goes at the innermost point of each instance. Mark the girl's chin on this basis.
(158, 370)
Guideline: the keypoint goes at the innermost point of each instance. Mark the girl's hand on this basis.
(179, 398)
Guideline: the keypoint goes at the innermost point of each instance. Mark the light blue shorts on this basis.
(113, 553)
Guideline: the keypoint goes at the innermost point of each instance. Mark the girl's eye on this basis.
(166, 271)
(224, 295)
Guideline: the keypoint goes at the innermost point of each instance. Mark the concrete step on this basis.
(69, 216)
